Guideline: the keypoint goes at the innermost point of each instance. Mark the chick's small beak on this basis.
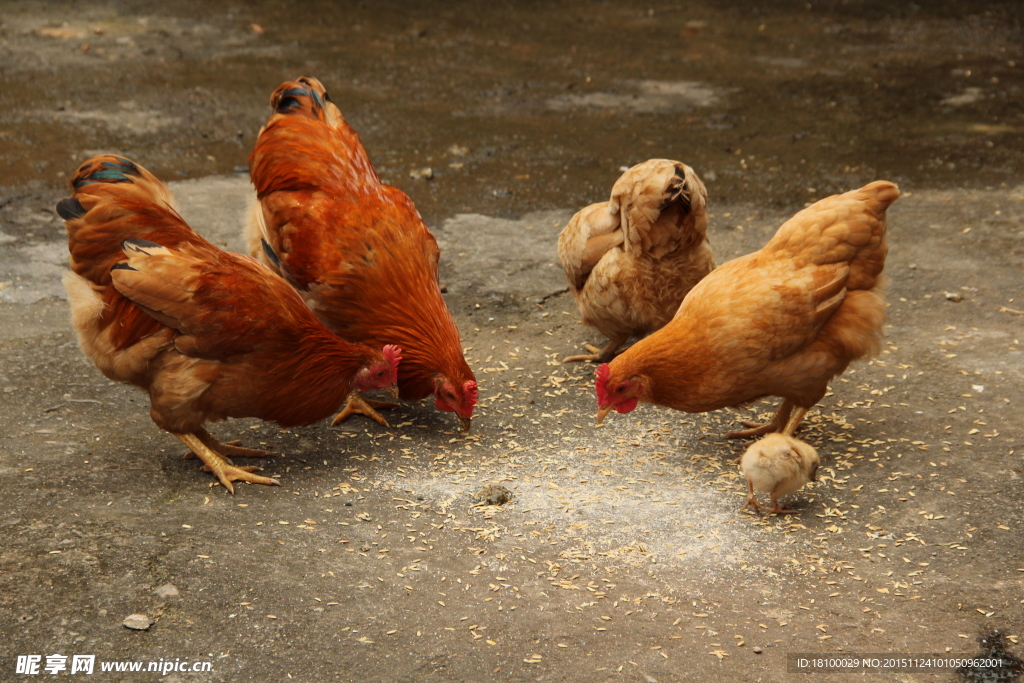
(465, 422)
(601, 412)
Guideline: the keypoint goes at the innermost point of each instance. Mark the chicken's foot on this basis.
(357, 403)
(751, 500)
(225, 471)
(778, 509)
(597, 355)
(230, 449)
(780, 420)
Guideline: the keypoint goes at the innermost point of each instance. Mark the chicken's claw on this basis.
(228, 448)
(232, 449)
(597, 355)
(225, 471)
(592, 357)
(357, 403)
(786, 420)
(751, 499)
(756, 429)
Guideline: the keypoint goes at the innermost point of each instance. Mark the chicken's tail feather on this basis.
(843, 229)
(116, 199)
(107, 168)
(134, 245)
(291, 98)
(109, 177)
(305, 96)
(881, 194)
(307, 145)
(70, 208)
(856, 326)
(116, 206)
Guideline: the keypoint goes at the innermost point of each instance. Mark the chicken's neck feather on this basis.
(307, 382)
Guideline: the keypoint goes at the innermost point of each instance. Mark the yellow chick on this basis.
(778, 464)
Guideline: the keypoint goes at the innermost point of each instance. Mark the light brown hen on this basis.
(632, 259)
(782, 321)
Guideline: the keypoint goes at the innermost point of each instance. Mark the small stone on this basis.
(137, 622)
(493, 494)
(758, 650)
(168, 590)
(955, 297)
(426, 173)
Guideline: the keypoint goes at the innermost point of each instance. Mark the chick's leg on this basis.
(364, 406)
(778, 509)
(780, 420)
(751, 499)
(597, 355)
(225, 471)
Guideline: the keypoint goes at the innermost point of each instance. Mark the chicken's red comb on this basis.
(601, 385)
(469, 395)
(393, 355)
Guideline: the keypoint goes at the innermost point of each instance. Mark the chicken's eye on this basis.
(619, 389)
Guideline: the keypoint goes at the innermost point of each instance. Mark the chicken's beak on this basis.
(465, 421)
(601, 412)
(392, 391)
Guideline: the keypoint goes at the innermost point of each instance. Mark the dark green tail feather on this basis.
(119, 171)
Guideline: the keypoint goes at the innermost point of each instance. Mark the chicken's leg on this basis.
(364, 406)
(794, 421)
(777, 423)
(776, 508)
(751, 500)
(231, 449)
(220, 466)
(596, 355)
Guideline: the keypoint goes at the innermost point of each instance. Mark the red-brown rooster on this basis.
(356, 249)
(782, 321)
(207, 333)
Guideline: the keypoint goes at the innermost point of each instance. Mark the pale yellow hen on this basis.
(631, 260)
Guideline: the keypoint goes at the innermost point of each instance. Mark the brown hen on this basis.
(208, 334)
(356, 249)
(631, 260)
(782, 321)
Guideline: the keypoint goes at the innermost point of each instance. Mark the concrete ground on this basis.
(623, 555)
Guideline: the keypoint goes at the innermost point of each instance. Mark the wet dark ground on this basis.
(622, 556)
(802, 99)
